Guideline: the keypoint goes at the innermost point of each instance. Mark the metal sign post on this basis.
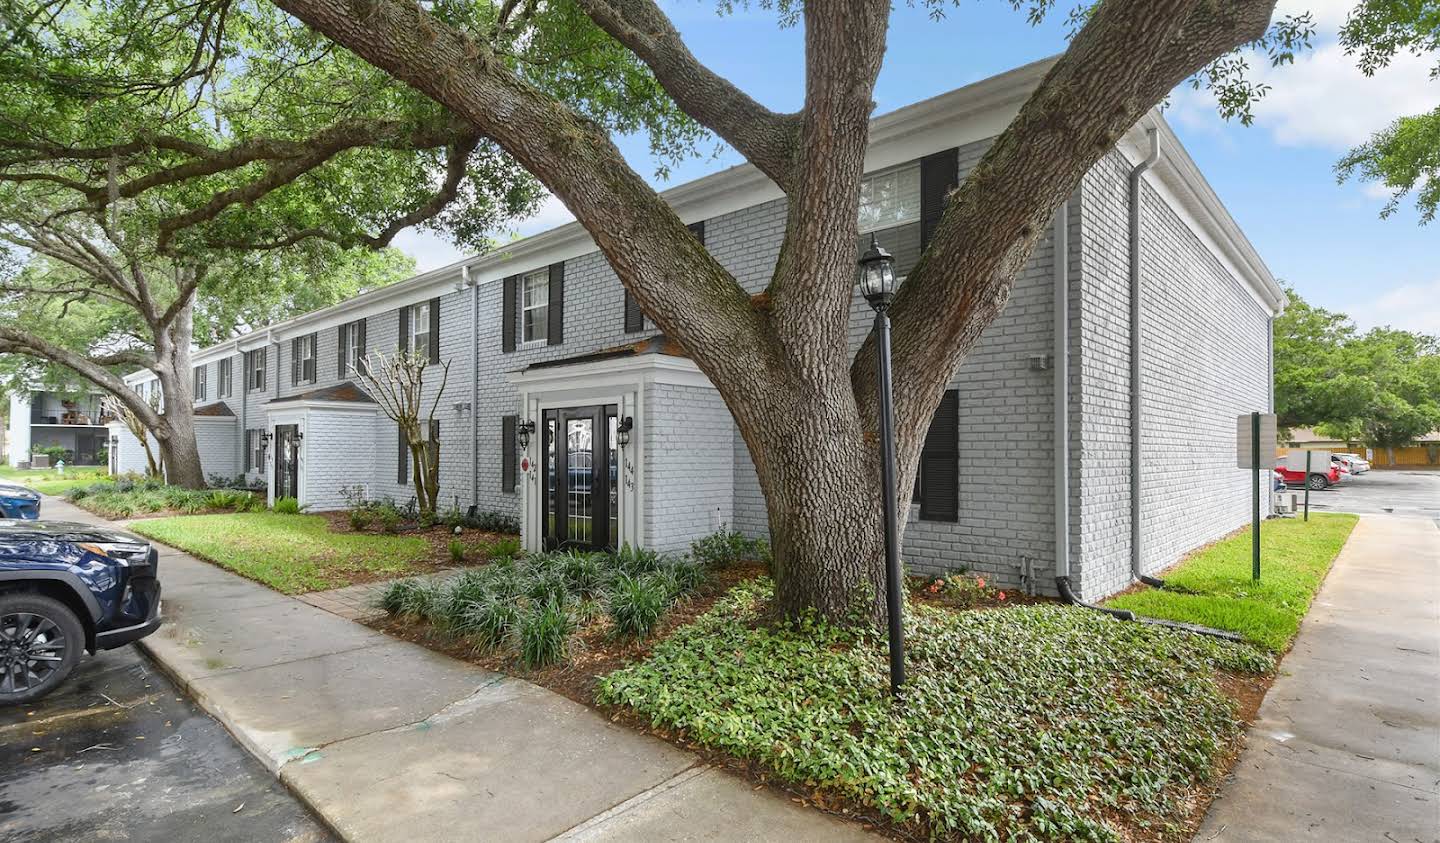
(1254, 433)
(1255, 468)
(1308, 455)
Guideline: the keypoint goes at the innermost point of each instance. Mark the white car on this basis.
(1355, 463)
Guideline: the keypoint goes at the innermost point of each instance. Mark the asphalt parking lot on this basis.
(1380, 491)
(118, 753)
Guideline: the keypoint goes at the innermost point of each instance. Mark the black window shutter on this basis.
(507, 452)
(939, 174)
(312, 362)
(634, 318)
(402, 474)
(294, 361)
(404, 340)
(698, 229)
(507, 313)
(360, 344)
(341, 334)
(435, 330)
(940, 463)
(261, 367)
(556, 328)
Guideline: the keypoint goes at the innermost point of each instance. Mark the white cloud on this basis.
(1328, 15)
(1323, 100)
(431, 250)
(427, 248)
(1411, 307)
(552, 213)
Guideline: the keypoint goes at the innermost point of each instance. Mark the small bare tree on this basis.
(112, 406)
(397, 382)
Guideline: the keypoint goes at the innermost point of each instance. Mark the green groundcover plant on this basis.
(1031, 722)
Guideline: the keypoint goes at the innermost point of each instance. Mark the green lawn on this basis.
(290, 553)
(48, 481)
(1213, 587)
(1031, 722)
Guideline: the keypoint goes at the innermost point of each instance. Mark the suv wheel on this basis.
(40, 643)
(1319, 481)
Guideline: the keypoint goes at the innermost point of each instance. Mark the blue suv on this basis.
(66, 589)
(18, 502)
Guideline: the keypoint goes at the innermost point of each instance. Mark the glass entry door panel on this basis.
(580, 501)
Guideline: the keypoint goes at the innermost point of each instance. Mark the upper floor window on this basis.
(890, 198)
(255, 369)
(224, 378)
(352, 347)
(535, 306)
(420, 338)
(302, 367)
(200, 383)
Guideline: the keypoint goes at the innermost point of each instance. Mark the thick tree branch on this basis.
(767, 139)
(16, 341)
(671, 275)
(1122, 63)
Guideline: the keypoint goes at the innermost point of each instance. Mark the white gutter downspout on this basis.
(1061, 264)
(1137, 405)
(474, 383)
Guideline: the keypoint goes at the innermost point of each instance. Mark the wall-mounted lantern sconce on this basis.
(523, 431)
(622, 431)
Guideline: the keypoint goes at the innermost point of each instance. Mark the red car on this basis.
(1320, 477)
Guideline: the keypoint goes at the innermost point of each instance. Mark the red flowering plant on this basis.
(962, 590)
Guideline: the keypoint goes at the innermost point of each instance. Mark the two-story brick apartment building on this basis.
(625, 440)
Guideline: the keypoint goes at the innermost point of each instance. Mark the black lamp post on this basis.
(877, 284)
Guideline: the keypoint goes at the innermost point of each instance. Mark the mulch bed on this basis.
(438, 537)
(597, 653)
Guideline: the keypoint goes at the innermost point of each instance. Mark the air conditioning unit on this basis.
(1286, 503)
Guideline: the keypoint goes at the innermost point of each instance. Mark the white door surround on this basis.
(620, 381)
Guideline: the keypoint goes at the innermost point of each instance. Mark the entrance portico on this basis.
(605, 429)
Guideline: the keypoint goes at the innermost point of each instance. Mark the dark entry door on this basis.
(581, 504)
(287, 461)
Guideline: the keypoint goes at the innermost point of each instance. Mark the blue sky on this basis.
(1276, 176)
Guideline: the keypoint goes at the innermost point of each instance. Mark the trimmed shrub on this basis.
(727, 547)
(359, 519)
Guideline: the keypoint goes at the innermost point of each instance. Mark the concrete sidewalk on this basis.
(1347, 743)
(386, 740)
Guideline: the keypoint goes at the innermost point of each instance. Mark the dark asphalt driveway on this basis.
(118, 753)
(1394, 491)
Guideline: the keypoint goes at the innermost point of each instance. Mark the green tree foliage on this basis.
(1404, 156)
(1381, 387)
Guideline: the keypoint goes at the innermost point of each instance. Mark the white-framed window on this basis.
(255, 369)
(535, 306)
(302, 370)
(354, 336)
(224, 379)
(201, 378)
(890, 197)
(420, 329)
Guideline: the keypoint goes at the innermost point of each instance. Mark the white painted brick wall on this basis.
(338, 451)
(690, 468)
(215, 439)
(1205, 361)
